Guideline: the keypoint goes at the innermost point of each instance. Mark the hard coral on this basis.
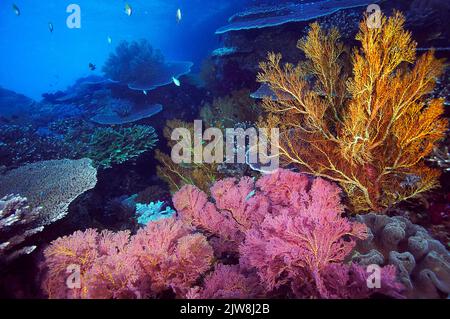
(110, 146)
(142, 67)
(52, 185)
(370, 135)
(17, 224)
(423, 263)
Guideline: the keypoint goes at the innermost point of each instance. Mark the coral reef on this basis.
(22, 144)
(109, 146)
(164, 257)
(225, 112)
(142, 67)
(17, 224)
(423, 263)
(52, 185)
(288, 229)
(371, 131)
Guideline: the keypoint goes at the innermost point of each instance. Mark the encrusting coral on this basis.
(17, 224)
(369, 131)
(423, 263)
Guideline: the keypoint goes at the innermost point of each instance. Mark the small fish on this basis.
(178, 15)
(50, 27)
(92, 67)
(109, 39)
(176, 81)
(16, 10)
(250, 195)
(145, 92)
(128, 9)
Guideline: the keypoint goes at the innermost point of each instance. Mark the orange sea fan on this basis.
(369, 129)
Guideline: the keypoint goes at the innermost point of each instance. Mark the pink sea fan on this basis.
(237, 207)
(227, 282)
(297, 242)
(343, 281)
(165, 255)
(80, 250)
(170, 256)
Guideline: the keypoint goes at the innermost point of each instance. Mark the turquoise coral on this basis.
(152, 212)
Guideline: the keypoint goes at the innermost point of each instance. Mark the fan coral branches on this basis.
(17, 224)
(165, 256)
(285, 227)
(132, 60)
(368, 131)
(110, 146)
(202, 175)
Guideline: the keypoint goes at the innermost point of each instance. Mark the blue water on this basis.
(34, 60)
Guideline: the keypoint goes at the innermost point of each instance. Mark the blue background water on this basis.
(33, 60)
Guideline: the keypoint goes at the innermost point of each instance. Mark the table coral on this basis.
(52, 185)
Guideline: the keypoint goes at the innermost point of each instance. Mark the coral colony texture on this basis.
(127, 172)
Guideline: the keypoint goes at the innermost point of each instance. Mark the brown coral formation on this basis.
(423, 263)
(369, 131)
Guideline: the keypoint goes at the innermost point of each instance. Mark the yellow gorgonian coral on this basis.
(364, 119)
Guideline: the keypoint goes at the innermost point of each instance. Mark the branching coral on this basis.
(370, 135)
(110, 146)
(165, 256)
(287, 229)
(17, 224)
